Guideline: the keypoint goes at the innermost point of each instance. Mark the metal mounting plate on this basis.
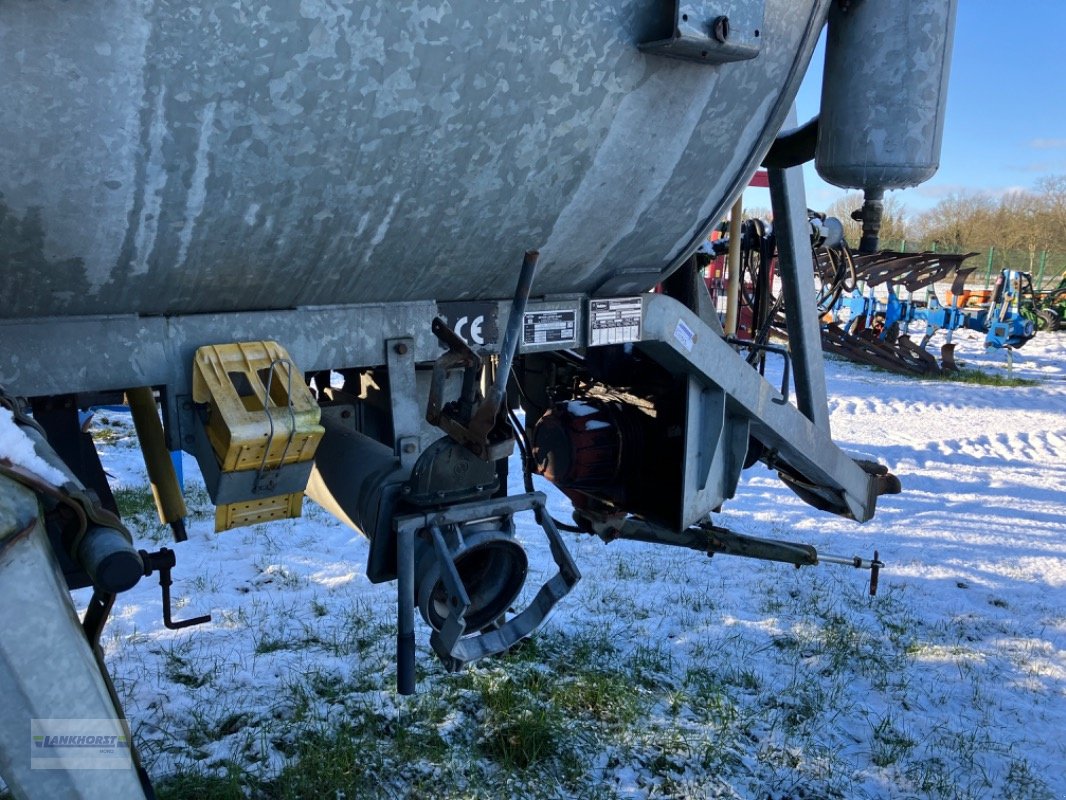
(712, 33)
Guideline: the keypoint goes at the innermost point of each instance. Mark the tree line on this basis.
(1026, 227)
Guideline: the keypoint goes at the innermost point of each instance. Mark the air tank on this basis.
(884, 92)
(183, 158)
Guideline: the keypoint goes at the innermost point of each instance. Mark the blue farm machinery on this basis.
(871, 304)
(871, 322)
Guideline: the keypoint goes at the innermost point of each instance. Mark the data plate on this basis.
(549, 327)
(614, 321)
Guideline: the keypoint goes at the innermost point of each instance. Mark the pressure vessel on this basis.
(162, 158)
(884, 91)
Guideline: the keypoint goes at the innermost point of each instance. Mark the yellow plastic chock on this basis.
(261, 418)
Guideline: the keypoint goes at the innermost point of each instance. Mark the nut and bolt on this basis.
(720, 29)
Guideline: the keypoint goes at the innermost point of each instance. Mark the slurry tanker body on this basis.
(331, 248)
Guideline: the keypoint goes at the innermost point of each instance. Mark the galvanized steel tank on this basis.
(884, 92)
(168, 158)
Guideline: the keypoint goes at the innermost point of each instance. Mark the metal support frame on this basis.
(790, 438)
(796, 269)
(49, 356)
(403, 399)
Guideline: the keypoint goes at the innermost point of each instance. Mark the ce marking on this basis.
(474, 334)
(475, 321)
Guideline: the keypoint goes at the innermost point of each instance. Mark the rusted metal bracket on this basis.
(457, 418)
(481, 427)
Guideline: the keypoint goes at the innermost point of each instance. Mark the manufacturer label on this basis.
(550, 327)
(614, 321)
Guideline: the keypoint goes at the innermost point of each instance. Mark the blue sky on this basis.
(1006, 108)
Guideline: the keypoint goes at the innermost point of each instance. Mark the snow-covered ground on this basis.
(743, 678)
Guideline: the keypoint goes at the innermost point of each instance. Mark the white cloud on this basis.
(1047, 144)
(1042, 167)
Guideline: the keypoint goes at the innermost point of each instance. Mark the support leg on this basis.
(797, 281)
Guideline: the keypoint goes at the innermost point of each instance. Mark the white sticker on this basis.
(685, 335)
(615, 321)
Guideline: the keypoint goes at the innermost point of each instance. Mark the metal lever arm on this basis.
(163, 561)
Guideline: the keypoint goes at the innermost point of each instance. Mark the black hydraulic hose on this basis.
(525, 449)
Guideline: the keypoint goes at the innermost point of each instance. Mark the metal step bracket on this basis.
(712, 33)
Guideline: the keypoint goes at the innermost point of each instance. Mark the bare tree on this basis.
(961, 220)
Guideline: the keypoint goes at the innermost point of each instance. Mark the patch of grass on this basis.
(710, 698)
(963, 375)
(651, 665)
(370, 754)
(606, 697)
(186, 783)
(586, 649)
(333, 688)
(1022, 784)
(802, 704)
(521, 727)
(135, 501)
(843, 641)
(624, 570)
(198, 502)
(932, 777)
(890, 743)
(179, 668)
(108, 432)
(980, 378)
(136, 507)
(328, 763)
(268, 643)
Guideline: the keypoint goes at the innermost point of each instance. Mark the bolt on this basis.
(410, 447)
(346, 413)
(720, 29)
(401, 349)
(186, 405)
